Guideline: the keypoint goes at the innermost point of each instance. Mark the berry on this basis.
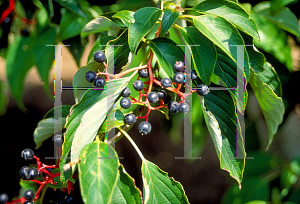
(125, 103)
(144, 128)
(161, 94)
(173, 107)
(99, 56)
(179, 78)
(194, 75)
(29, 194)
(28, 202)
(25, 32)
(100, 82)
(130, 119)
(167, 99)
(3, 198)
(90, 76)
(32, 173)
(166, 82)
(153, 97)
(143, 73)
(183, 107)
(57, 139)
(179, 66)
(24, 172)
(202, 90)
(126, 92)
(27, 154)
(138, 85)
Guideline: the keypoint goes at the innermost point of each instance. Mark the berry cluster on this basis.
(147, 96)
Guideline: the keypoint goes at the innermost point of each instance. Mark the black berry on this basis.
(138, 85)
(90, 76)
(183, 107)
(144, 128)
(24, 172)
(3, 198)
(32, 173)
(153, 97)
(167, 99)
(202, 90)
(161, 94)
(173, 107)
(179, 66)
(143, 73)
(25, 32)
(179, 78)
(28, 202)
(100, 82)
(99, 56)
(27, 154)
(125, 103)
(29, 194)
(194, 75)
(130, 119)
(126, 92)
(57, 139)
(166, 82)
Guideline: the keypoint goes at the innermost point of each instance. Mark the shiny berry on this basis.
(167, 99)
(144, 128)
(32, 173)
(130, 119)
(153, 97)
(28, 202)
(161, 94)
(126, 92)
(125, 103)
(24, 172)
(99, 56)
(194, 75)
(90, 76)
(3, 198)
(138, 85)
(166, 82)
(27, 154)
(99, 82)
(143, 73)
(202, 90)
(183, 107)
(57, 139)
(29, 194)
(179, 78)
(179, 66)
(173, 107)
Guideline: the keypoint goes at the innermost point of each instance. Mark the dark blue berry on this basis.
(179, 66)
(183, 107)
(143, 73)
(24, 172)
(126, 92)
(130, 119)
(28, 202)
(25, 32)
(167, 99)
(138, 85)
(153, 97)
(173, 107)
(57, 139)
(125, 103)
(179, 78)
(99, 82)
(90, 76)
(194, 75)
(144, 128)
(166, 82)
(202, 90)
(27, 154)
(32, 173)
(161, 94)
(3, 198)
(99, 56)
(29, 194)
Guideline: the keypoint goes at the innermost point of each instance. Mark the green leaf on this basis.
(144, 20)
(65, 110)
(284, 17)
(159, 188)
(98, 25)
(118, 122)
(269, 76)
(98, 176)
(220, 117)
(224, 35)
(125, 16)
(167, 53)
(125, 191)
(4, 97)
(232, 12)
(271, 105)
(169, 18)
(99, 45)
(76, 48)
(204, 55)
(278, 4)
(226, 70)
(72, 5)
(273, 40)
(85, 120)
